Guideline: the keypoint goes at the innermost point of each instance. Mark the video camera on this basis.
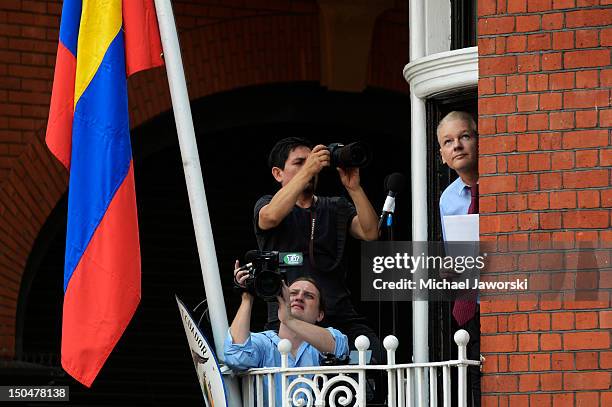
(266, 272)
(351, 155)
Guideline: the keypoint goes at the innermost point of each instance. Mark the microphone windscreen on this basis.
(250, 256)
(395, 182)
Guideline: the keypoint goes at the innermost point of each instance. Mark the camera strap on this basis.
(313, 221)
(341, 220)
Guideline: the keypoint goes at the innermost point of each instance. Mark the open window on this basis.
(439, 176)
(463, 23)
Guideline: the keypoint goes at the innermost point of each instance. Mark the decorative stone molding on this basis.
(443, 72)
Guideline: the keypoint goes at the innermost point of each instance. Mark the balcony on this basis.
(411, 384)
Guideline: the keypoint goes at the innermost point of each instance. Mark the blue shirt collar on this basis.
(273, 335)
(462, 185)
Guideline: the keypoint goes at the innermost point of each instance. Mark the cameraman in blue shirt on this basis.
(301, 307)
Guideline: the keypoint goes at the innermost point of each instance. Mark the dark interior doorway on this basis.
(235, 130)
(441, 324)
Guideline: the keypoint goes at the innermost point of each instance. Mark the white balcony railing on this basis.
(346, 385)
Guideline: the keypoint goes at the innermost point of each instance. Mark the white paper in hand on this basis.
(461, 228)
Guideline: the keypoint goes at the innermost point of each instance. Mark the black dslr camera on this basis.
(266, 272)
(351, 155)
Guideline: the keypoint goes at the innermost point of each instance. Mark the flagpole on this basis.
(195, 183)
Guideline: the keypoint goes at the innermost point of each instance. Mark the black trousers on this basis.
(353, 327)
(473, 353)
(356, 326)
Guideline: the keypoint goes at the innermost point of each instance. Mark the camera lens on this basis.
(268, 285)
(358, 155)
(351, 155)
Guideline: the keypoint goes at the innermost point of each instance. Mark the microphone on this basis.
(394, 184)
(251, 255)
(248, 258)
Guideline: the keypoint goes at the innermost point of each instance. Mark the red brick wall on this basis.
(31, 181)
(226, 45)
(545, 156)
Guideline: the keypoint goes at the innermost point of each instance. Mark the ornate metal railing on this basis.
(346, 385)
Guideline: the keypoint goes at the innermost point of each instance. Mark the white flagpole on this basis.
(195, 184)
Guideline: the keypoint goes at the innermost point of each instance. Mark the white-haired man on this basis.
(458, 139)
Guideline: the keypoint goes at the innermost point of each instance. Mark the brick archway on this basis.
(37, 181)
(242, 52)
(235, 130)
(223, 48)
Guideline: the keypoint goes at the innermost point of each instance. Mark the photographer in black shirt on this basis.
(296, 220)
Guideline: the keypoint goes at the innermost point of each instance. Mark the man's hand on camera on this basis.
(284, 305)
(240, 278)
(317, 160)
(350, 178)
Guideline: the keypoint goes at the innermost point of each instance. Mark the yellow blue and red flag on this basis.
(101, 42)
